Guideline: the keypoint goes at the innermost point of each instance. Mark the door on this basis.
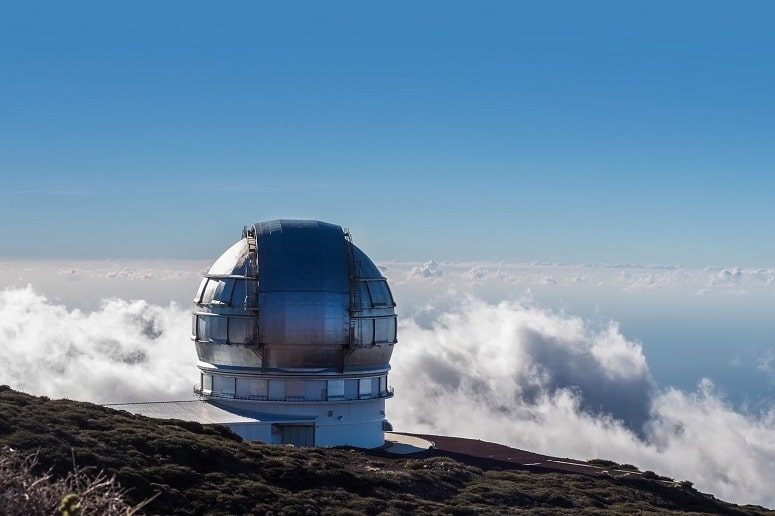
(297, 435)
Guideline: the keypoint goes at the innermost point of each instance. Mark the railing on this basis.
(288, 399)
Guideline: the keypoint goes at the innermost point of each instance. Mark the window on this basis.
(381, 329)
(207, 382)
(277, 389)
(364, 388)
(211, 327)
(314, 390)
(258, 387)
(193, 326)
(380, 296)
(201, 327)
(335, 389)
(224, 384)
(223, 291)
(383, 385)
(385, 330)
(351, 389)
(294, 389)
(392, 330)
(216, 328)
(364, 291)
(238, 293)
(367, 332)
(200, 290)
(240, 330)
(243, 387)
(209, 292)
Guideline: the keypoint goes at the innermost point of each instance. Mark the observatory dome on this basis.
(295, 294)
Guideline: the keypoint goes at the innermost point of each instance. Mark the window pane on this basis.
(200, 290)
(351, 389)
(209, 292)
(379, 293)
(335, 389)
(223, 384)
(201, 331)
(294, 388)
(223, 291)
(367, 332)
(277, 389)
(364, 292)
(383, 385)
(207, 382)
(258, 387)
(392, 330)
(240, 330)
(193, 325)
(381, 326)
(216, 328)
(314, 389)
(364, 388)
(238, 293)
(243, 387)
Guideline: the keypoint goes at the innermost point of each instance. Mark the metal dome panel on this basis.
(316, 300)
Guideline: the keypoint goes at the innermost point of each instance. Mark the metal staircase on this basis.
(251, 288)
(356, 305)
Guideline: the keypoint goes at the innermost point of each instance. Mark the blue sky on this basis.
(563, 132)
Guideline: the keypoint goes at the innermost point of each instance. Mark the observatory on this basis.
(294, 327)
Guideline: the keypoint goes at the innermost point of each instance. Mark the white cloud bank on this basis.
(506, 372)
(545, 382)
(123, 351)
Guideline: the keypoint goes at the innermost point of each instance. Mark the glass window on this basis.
(351, 389)
(201, 327)
(193, 325)
(335, 389)
(364, 292)
(243, 387)
(383, 385)
(277, 389)
(207, 296)
(240, 330)
(207, 382)
(314, 390)
(223, 291)
(364, 388)
(392, 329)
(379, 293)
(367, 332)
(238, 293)
(200, 290)
(216, 328)
(258, 387)
(223, 384)
(382, 329)
(294, 389)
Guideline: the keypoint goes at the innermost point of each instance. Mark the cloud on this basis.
(123, 351)
(545, 382)
(510, 372)
(428, 270)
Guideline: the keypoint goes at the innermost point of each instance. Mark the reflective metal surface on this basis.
(305, 298)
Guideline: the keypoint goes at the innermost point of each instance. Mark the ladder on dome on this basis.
(251, 289)
(356, 306)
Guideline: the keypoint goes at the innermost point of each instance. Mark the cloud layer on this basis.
(510, 372)
(545, 382)
(123, 351)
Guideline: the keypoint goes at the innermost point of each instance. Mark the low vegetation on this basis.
(188, 468)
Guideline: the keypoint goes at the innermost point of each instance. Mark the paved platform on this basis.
(403, 444)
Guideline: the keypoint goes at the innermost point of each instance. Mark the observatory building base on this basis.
(357, 423)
